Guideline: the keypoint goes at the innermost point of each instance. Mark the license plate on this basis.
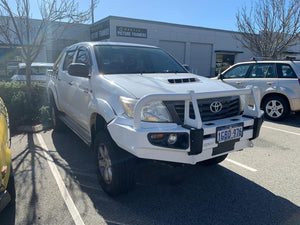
(229, 133)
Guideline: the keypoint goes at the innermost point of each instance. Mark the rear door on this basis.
(288, 82)
(65, 81)
(262, 75)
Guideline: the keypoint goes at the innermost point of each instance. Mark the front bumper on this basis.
(295, 104)
(202, 142)
(133, 135)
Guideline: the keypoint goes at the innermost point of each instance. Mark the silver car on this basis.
(279, 82)
(38, 72)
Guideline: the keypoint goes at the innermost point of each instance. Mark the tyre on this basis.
(213, 161)
(57, 124)
(276, 108)
(116, 167)
(11, 186)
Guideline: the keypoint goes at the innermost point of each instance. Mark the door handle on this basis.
(70, 83)
(238, 82)
(270, 83)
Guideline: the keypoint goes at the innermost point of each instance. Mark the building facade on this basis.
(206, 51)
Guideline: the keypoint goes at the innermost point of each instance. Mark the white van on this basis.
(38, 72)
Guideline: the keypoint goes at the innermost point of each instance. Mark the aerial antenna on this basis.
(92, 9)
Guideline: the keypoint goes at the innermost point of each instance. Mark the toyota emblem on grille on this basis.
(216, 107)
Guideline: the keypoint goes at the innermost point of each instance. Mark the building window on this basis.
(223, 61)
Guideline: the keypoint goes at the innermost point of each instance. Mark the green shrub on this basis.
(22, 112)
(44, 112)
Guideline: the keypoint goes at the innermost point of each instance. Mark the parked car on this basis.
(38, 72)
(6, 180)
(279, 83)
(130, 101)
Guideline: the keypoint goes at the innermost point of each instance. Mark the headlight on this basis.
(155, 112)
(152, 112)
(128, 105)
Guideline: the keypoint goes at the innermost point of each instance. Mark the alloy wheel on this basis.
(274, 109)
(104, 164)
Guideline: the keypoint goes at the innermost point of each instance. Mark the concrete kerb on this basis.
(33, 129)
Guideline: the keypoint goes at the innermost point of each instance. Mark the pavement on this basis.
(56, 183)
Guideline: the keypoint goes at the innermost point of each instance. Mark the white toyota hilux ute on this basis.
(131, 101)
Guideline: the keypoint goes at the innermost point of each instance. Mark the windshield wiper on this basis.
(176, 71)
(148, 72)
(163, 71)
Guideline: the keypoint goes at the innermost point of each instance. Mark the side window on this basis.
(239, 71)
(263, 70)
(285, 71)
(83, 57)
(68, 59)
(58, 61)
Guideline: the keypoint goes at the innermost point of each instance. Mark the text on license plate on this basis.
(228, 133)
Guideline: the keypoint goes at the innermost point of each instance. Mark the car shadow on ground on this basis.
(7, 216)
(292, 120)
(208, 195)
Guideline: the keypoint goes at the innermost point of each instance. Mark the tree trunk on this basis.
(28, 82)
(28, 73)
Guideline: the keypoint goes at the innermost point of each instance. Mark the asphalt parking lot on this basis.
(56, 183)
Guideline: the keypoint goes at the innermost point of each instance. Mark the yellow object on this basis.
(5, 153)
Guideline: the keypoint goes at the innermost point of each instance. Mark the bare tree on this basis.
(18, 28)
(269, 27)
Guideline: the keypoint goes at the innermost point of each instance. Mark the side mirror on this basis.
(78, 70)
(220, 76)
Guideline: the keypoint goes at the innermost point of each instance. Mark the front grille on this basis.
(230, 107)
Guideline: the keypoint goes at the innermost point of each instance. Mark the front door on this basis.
(81, 91)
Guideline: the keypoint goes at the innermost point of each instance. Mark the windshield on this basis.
(128, 59)
(35, 70)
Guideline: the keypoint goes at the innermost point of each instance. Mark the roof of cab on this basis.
(93, 43)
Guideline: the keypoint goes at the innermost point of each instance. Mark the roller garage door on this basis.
(200, 61)
(176, 49)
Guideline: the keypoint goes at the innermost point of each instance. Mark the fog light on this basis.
(172, 139)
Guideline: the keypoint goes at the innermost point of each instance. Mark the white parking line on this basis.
(62, 187)
(254, 170)
(285, 131)
(241, 165)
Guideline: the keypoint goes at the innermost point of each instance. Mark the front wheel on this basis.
(116, 167)
(276, 108)
(11, 185)
(57, 124)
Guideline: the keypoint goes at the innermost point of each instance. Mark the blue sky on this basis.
(219, 14)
